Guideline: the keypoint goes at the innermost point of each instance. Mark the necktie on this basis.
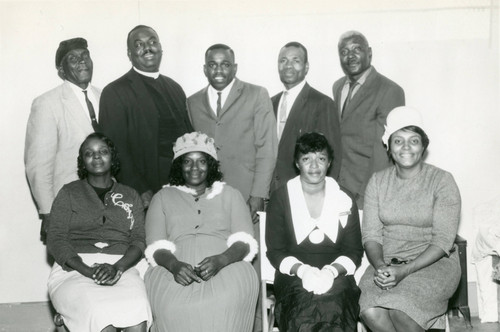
(282, 115)
(95, 125)
(219, 107)
(352, 85)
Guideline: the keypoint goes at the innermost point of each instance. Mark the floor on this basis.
(37, 317)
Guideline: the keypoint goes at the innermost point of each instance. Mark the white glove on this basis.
(309, 275)
(325, 282)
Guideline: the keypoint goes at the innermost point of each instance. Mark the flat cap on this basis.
(68, 45)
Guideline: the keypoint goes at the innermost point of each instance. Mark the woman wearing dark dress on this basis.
(96, 235)
(314, 241)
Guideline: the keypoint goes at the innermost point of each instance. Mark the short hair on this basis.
(416, 130)
(220, 47)
(115, 162)
(350, 34)
(298, 45)
(140, 26)
(176, 178)
(312, 142)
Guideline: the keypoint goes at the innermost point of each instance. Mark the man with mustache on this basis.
(364, 98)
(143, 112)
(59, 121)
(300, 109)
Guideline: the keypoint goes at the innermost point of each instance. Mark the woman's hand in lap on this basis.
(387, 277)
(106, 274)
(184, 273)
(210, 266)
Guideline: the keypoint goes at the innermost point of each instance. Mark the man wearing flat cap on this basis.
(144, 112)
(59, 121)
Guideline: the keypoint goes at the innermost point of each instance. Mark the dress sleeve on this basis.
(137, 237)
(372, 225)
(350, 241)
(277, 236)
(156, 227)
(446, 213)
(58, 243)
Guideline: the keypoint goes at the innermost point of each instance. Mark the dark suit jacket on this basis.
(362, 127)
(128, 115)
(311, 111)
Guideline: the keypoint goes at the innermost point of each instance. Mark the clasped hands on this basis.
(105, 274)
(185, 274)
(315, 280)
(388, 276)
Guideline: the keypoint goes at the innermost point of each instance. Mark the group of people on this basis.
(180, 181)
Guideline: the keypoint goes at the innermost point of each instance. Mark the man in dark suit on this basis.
(300, 109)
(364, 98)
(144, 112)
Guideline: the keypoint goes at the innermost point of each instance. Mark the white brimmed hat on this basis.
(194, 142)
(401, 117)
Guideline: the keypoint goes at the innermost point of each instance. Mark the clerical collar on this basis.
(154, 75)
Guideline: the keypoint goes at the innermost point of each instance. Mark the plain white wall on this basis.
(444, 53)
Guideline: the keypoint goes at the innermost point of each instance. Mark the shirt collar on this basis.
(363, 77)
(78, 90)
(225, 92)
(294, 92)
(336, 209)
(154, 75)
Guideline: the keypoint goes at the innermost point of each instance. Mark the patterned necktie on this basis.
(352, 85)
(95, 125)
(282, 114)
(219, 107)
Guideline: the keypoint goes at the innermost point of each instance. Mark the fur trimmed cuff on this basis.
(246, 238)
(160, 244)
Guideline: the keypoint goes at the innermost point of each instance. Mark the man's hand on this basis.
(255, 204)
(146, 198)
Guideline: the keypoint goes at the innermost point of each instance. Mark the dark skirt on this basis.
(299, 310)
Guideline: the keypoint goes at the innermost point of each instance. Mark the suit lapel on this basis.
(206, 104)
(234, 94)
(296, 112)
(366, 89)
(276, 102)
(74, 109)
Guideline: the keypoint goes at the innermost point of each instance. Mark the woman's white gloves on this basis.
(316, 280)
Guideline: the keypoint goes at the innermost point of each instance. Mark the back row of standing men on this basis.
(144, 112)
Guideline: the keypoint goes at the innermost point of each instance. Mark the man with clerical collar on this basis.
(239, 116)
(59, 121)
(364, 98)
(144, 112)
(300, 109)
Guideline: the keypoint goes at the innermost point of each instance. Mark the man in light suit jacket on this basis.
(364, 98)
(239, 116)
(144, 113)
(303, 110)
(59, 121)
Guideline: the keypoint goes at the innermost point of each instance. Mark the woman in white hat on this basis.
(410, 221)
(200, 244)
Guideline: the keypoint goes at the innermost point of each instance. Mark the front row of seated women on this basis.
(200, 243)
